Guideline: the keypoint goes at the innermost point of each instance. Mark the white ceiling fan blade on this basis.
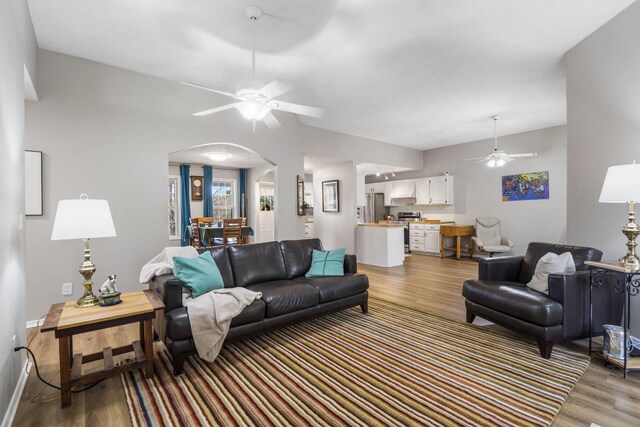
(298, 109)
(215, 110)
(276, 88)
(232, 95)
(271, 121)
(523, 155)
(479, 158)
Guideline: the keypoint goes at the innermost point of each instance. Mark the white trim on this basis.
(35, 323)
(17, 394)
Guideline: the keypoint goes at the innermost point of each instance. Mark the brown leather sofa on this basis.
(277, 270)
(501, 295)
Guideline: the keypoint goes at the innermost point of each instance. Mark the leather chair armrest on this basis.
(507, 242)
(170, 290)
(502, 268)
(478, 242)
(350, 264)
(572, 291)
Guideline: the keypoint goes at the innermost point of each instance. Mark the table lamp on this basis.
(84, 219)
(622, 185)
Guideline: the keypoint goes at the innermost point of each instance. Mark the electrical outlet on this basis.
(67, 289)
(13, 346)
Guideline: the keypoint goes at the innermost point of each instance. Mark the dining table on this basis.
(210, 232)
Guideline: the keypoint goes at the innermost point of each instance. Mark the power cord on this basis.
(35, 363)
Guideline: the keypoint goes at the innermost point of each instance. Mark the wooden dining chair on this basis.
(231, 232)
(204, 220)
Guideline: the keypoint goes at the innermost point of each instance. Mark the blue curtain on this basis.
(185, 204)
(243, 192)
(207, 194)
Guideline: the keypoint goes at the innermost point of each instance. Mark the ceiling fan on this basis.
(498, 158)
(255, 99)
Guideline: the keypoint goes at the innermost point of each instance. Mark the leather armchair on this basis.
(501, 295)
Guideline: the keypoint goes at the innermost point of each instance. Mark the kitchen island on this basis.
(380, 244)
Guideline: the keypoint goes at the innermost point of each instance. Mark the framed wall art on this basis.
(300, 195)
(525, 186)
(33, 183)
(330, 196)
(197, 188)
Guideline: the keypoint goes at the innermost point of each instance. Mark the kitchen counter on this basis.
(380, 244)
(379, 224)
(431, 221)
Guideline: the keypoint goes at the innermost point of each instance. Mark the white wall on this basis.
(603, 129)
(108, 132)
(477, 188)
(336, 230)
(15, 49)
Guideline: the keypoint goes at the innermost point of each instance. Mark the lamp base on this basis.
(88, 300)
(87, 268)
(631, 230)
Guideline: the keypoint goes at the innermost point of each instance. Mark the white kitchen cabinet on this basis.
(380, 187)
(436, 190)
(403, 189)
(424, 238)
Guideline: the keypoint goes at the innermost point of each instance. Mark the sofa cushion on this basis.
(327, 264)
(286, 296)
(221, 257)
(536, 250)
(297, 255)
(257, 263)
(515, 299)
(200, 274)
(251, 313)
(333, 288)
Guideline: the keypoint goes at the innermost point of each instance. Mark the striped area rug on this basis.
(394, 366)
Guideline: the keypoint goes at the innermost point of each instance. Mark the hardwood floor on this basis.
(424, 283)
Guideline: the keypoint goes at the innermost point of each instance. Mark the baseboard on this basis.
(35, 323)
(17, 394)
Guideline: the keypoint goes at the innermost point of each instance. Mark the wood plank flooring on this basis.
(424, 283)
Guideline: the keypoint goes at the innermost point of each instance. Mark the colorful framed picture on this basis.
(330, 196)
(299, 194)
(197, 188)
(525, 186)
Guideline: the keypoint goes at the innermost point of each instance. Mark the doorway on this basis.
(265, 207)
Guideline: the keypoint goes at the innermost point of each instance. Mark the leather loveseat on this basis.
(501, 295)
(277, 269)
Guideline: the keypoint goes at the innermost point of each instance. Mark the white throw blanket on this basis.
(210, 316)
(163, 262)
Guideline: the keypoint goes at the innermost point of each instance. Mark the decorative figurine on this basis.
(109, 294)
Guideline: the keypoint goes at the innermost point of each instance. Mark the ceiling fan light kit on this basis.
(219, 157)
(256, 101)
(498, 158)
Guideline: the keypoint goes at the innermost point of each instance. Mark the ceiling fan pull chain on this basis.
(253, 52)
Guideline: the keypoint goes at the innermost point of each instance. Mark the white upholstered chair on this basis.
(488, 238)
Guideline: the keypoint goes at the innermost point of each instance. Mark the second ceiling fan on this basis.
(256, 100)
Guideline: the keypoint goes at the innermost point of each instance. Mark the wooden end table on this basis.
(67, 320)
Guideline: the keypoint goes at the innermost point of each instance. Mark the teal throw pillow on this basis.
(200, 275)
(330, 263)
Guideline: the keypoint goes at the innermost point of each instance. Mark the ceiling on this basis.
(313, 162)
(239, 157)
(421, 74)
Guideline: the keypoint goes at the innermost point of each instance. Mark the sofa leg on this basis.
(545, 348)
(178, 364)
(470, 316)
(365, 307)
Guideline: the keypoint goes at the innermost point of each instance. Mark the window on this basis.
(267, 200)
(174, 207)
(224, 193)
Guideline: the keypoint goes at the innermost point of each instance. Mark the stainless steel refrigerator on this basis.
(375, 209)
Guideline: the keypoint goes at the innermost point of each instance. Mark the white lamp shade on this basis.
(621, 184)
(82, 219)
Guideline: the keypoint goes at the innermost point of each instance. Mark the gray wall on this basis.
(603, 129)
(108, 132)
(14, 51)
(477, 188)
(336, 229)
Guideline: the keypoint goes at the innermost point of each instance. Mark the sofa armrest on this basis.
(350, 264)
(572, 291)
(170, 290)
(502, 268)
